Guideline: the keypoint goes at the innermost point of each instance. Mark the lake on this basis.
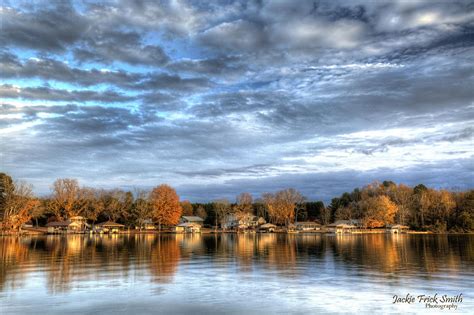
(233, 273)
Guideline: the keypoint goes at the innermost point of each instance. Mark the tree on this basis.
(165, 205)
(20, 206)
(96, 204)
(422, 203)
(221, 208)
(402, 196)
(6, 183)
(464, 217)
(68, 199)
(378, 211)
(281, 205)
(325, 215)
(244, 203)
(201, 212)
(187, 208)
(118, 204)
(142, 209)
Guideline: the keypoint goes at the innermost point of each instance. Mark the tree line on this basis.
(375, 205)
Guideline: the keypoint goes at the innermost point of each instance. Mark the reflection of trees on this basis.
(165, 257)
(401, 254)
(69, 260)
(13, 253)
(66, 261)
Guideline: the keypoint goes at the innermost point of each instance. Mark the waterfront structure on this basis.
(397, 228)
(188, 227)
(64, 227)
(307, 226)
(341, 226)
(109, 227)
(267, 227)
(192, 219)
(242, 222)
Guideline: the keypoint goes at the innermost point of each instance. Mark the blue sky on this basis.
(231, 96)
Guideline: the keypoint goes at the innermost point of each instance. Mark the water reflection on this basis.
(76, 262)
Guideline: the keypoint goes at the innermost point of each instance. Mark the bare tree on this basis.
(142, 209)
(221, 208)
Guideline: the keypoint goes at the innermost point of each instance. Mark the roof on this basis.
(77, 217)
(188, 224)
(341, 225)
(110, 224)
(307, 223)
(398, 226)
(192, 218)
(267, 226)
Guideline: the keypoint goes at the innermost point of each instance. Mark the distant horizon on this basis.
(220, 98)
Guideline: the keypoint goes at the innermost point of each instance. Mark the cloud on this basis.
(46, 93)
(50, 69)
(49, 30)
(216, 98)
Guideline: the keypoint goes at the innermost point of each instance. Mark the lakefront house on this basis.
(75, 224)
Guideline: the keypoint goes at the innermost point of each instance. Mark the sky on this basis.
(221, 97)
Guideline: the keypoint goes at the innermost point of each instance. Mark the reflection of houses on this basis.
(397, 229)
(192, 219)
(341, 226)
(109, 227)
(267, 227)
(242, 222)
(188, 227)
(307, 226)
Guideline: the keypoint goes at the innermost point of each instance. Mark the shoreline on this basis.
(32, 232)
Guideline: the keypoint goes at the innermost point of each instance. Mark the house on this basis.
(109, 227)
(65, 227)
(307, 226)
(341, 226)
(188, 227)
(81, 221)
(267, 227)
(192, 219)
(397, 229)
(291, 228)
(242, 221)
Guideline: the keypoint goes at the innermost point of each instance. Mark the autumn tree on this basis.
(201, 212)
(118, 204)
(281, 205)
(402, 196)
(68, 199)
(378, 211)
(187, 208)
(464, 212)
(6, 184)
(19, 204)
(421, 204)
(166, 208)
(96, 203)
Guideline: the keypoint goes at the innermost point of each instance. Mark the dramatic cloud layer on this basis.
(217, 98)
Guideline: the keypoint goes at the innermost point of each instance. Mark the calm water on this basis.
(232, 274)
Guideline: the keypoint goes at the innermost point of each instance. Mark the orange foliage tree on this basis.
(166, 208)
(187, 207)
(378, 211)
(281, 205)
